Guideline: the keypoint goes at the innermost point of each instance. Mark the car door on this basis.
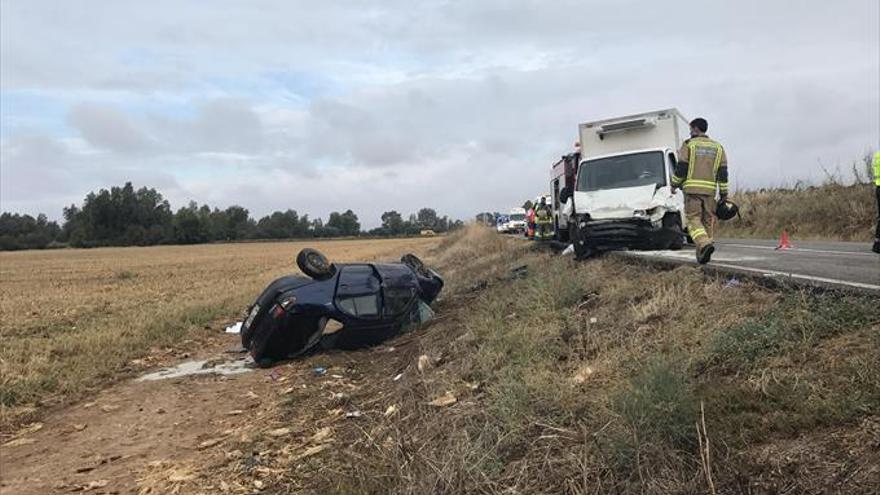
(358, 292)
(400, 288)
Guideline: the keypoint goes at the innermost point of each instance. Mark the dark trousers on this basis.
(877, 230)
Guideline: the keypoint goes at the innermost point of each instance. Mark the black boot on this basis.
(705, 254)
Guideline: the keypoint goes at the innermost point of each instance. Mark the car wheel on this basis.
(314, 264)
(415, 264)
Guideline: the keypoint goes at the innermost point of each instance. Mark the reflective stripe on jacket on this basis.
(702, 167)
(877, 168)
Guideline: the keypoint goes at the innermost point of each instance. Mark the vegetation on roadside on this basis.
(604, 377)
(837, 209)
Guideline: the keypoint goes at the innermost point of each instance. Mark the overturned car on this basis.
(346, 305)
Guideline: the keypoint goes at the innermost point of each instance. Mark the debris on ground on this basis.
(353, 414)
(392, 409)
(733, 282)
(444, 400)
(397, 377)
(234, 328)
(202, 367)
(424, 363)
(320, 371)
(568, 251)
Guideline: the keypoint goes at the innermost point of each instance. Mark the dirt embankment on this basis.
(563, 377)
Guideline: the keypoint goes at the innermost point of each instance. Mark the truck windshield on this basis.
(517, 217)
(637, 169)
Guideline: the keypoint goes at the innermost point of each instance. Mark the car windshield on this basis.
(518, 217)
(637, 169)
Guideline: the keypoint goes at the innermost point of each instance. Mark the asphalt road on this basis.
(848, 265)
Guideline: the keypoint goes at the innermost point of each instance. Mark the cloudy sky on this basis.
(457, 105)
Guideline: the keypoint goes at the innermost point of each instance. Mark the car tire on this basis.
(314, 264)
(415, 264)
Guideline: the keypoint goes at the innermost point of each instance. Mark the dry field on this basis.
(73, 319)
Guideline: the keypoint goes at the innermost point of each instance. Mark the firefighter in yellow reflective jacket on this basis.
(876, 170)
(700, 171)
(543, 220)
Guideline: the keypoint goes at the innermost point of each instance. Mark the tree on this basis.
(427, 218)
(393, 223)
(346, 223)
(26, 232)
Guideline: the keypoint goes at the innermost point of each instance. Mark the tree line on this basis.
(125, 216)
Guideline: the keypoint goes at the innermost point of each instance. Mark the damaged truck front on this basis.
(622, 197)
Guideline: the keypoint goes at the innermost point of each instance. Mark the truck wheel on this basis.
(561, 235)
(314, 264)
(671, 221)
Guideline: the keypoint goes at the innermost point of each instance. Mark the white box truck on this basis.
(622, 196)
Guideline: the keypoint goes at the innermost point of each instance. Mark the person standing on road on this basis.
(700, 171)
(876, 169)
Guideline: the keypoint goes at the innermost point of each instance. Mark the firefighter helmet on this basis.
(726, 209)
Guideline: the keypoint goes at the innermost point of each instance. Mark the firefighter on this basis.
(701, 170)
(543, 218)
(876, 170)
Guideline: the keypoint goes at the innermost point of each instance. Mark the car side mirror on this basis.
(564, 194)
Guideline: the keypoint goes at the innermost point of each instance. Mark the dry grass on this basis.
(832, 211)
(73, 319)
(589, 377)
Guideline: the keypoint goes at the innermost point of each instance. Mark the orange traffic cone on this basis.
(784, 243)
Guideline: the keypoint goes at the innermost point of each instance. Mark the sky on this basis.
(461, 106)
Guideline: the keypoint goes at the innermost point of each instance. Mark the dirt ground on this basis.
(165, 436)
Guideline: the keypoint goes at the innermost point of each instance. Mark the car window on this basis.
(358, 291)
(399, 287)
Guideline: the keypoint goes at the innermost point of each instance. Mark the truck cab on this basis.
(622, 196)
(516, 222)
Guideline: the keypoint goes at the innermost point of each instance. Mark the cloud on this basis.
(461, 106)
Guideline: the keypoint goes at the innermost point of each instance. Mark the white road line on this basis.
(769, 273)
(803, 250)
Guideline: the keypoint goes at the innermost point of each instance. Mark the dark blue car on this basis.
(343, 306)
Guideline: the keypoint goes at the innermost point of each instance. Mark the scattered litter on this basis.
(391, 349)
(96, 484)
(109, 408)
(278, 432)
(89, 404)
(200, 368)
(288, 390)
(390, 411)
(397, 377)
(18, 442)
(568, 251)
(583, 375)
(338, 377)
(79, 426)
(252, 395)
(234, 328)
(320, 371)
(733, 282)
(235, 412)
(210, 442)
(424, 363)
(594, 320)
(444, 400)
(353, 414)
(258, 484)
(31, 428)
